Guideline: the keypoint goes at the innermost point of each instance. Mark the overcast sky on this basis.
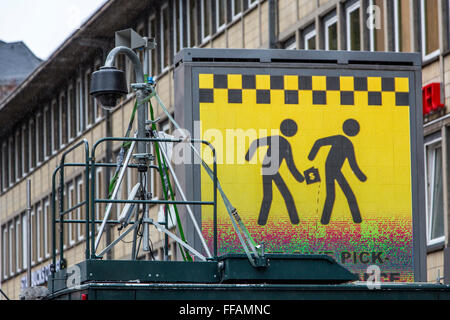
(43, 25)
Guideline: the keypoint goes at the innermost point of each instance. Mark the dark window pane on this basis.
(332, 36)
(354, 30)
(48, 132)
(193, 23)
(56, 125)
(64, 118)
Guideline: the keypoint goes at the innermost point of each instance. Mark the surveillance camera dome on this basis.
(108, 85)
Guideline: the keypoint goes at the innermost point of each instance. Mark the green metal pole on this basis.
(164, 180)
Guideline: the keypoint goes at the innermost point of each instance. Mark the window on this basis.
(5, 167)
(252, 3)
(24, 240)
(330, 30)
(434, 195)
(192, 23)
(206, 19)
(353, 27)
(236, 8)
(290, 44)
(18, 242)
(99, 194)
(11, 249)
(25, 153)
(48, 131)
(88, 100)
(153, 53)
(81, 210)
(47, 228)
(71, 203)
(430, 29)
(221, 10)
(63, 119)
(32, 144)
(165, 40)
(39, 233)
(376, 24)
(402, 41)
(33, 235)
(5, 254)
(72, 113)
(310, 40)
(177, 25)
(97, 108)
(40, 137)
(19, 154)
(12, 161)
(56, 125)
(80, 106)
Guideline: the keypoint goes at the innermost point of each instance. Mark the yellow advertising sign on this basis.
(314, 163)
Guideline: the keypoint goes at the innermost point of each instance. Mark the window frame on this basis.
(191, 24)
(25, 150)
(17, 235)
(423, 37)
(234, 15)
(79, 196)
(98, 193)
(161, 27)
(32, 235)
(88, 105)
(435, 143)
(98, 111)
(18, 154)
(327, 23)
(397, 26)
(178, 30)
(5, 168)
(62, 95)
(11, 155)
(79, 102)
(47, 222)
(39, 215)
(153, 54)
(202, 22)
(252, 3)
(39, 145)
(353, 7)
(5, 252)
(71, 136)
(55, 105)
(308, 35)
(47, 140)
(24, 219)
(10, 248)
(222, 26)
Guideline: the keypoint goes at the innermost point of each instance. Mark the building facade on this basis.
(52, 110)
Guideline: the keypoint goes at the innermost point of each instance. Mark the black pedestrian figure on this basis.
(341, 149)
(279, 150)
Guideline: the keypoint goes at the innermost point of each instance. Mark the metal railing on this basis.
(90, 222)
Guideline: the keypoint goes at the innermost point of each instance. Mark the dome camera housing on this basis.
(108, 85)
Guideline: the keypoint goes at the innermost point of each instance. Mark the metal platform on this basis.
(230, 277)
(245, 291)
(232, 268)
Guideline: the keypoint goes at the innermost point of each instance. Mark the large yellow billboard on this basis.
(315, 162)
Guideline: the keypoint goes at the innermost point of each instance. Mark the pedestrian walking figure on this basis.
(279, 150)
(341, 149)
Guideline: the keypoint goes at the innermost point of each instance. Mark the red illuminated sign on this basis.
(431, 98)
